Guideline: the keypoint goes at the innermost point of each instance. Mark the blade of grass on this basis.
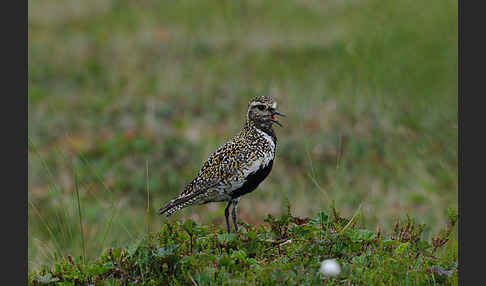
(110, 223)
(340, 149)
(114, 203)
(46, 225)
(54, 191)
(80, 215)
(148, 215)
(352, 219)
(45, 251)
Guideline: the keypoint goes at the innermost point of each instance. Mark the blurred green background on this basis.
(127, 98)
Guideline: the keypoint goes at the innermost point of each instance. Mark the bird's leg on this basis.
(234, 214)
(226, 214)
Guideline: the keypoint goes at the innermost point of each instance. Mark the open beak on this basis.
(274, 120)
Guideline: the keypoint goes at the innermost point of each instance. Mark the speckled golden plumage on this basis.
(238, 166)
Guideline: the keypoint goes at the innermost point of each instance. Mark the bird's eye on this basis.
(261, 107)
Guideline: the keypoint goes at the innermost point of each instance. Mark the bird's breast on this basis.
(268, 145)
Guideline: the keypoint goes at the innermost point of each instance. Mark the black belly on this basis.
(252, 181)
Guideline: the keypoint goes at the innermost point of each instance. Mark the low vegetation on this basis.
(286, 251)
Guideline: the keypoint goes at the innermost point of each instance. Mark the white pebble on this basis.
(330, 267)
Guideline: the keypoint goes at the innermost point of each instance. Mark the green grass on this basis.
(369, 87)
(287, 252)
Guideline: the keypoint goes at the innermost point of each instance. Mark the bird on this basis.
(238, 166)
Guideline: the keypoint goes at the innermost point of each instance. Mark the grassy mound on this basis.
(287, 251)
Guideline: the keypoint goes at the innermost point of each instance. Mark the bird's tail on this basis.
(177, 204)
(170, 209)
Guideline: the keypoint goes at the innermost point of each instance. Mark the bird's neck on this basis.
(251, 126)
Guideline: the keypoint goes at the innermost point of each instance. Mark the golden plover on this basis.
(237, 167)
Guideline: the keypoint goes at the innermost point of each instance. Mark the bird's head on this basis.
(262, 111)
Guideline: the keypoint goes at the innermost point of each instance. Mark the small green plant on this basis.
(287, 251)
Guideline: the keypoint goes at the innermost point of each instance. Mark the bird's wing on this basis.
(225, 170)
(217, 172)
(226, 167)
(229, 166)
